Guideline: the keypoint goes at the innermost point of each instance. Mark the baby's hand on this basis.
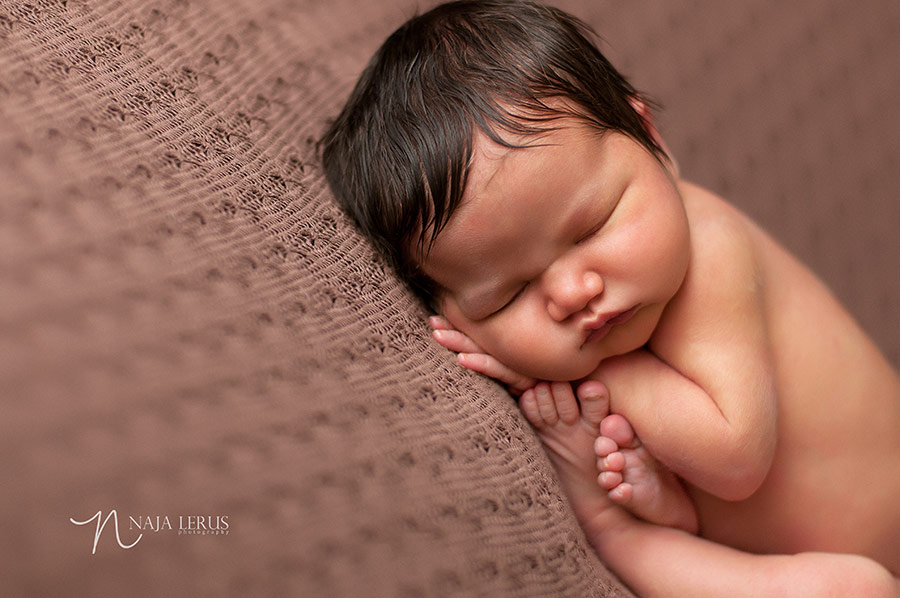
(473, 357)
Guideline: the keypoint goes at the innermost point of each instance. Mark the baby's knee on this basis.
(843, 575)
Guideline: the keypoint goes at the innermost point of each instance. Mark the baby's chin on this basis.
(580, 365)
(559, 372)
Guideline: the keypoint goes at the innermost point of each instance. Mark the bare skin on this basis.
(635, 480)
(662, 561)
(728, 359)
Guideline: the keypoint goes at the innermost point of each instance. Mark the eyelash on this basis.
(521, 290)
(513, 298)
(591, 233)
(602, 222)
(579, 241)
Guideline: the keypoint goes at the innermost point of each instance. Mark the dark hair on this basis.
(397, 156)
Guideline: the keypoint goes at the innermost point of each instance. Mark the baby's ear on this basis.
(647, 117)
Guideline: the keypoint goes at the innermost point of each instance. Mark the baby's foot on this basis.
(637, 481)
(568, 428)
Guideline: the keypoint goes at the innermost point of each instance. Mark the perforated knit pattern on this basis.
(190, 327)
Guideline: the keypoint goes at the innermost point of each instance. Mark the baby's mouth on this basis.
(598, 329)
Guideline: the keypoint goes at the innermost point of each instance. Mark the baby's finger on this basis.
(487, 365)
(440, 323)
(456, 341)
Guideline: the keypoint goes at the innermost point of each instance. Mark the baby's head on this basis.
(398, 156)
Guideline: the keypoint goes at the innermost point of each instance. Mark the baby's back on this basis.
(835, 481)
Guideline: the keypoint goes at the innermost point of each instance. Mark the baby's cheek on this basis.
(530, 350)
(506, 342)
(529, 354)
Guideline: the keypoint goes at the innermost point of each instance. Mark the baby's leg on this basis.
(662, 561)
(568, 428)
(637, 481)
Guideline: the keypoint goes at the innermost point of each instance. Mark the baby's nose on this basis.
(570, 294)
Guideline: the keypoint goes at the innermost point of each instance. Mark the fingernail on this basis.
(438, 334)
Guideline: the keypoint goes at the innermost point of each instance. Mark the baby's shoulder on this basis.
(724, 243)
(713, 220)
(722, 293)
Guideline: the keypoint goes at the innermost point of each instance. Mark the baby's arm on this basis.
(633, 478)
(702, 397)
(682, 425)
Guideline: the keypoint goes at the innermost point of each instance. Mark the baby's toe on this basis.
(604, 445)
(545, 404)
(621, 494)
(566, 405)
(612, 462)
(529, 405)
(594, 400)
(619, 430)
(609, 479)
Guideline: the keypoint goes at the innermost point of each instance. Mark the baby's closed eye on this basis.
(581, 239)
(518, 293)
